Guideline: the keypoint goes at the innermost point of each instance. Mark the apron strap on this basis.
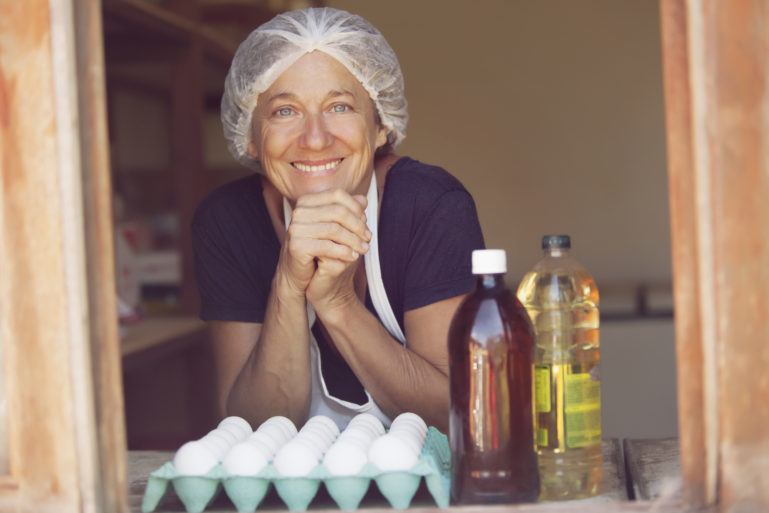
(374, 270)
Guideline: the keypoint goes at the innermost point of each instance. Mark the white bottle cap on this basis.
(489, 261)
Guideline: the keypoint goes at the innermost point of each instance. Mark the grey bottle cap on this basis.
(556, 242)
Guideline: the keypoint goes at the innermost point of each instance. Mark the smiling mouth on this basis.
(305, 167)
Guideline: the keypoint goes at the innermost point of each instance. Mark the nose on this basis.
(316, 135)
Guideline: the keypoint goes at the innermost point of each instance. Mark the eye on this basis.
(284, 112)
(340, 107)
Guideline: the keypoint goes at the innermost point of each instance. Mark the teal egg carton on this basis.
(297, 493)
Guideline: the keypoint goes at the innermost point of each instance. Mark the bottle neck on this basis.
(490, 281)
(556, 252)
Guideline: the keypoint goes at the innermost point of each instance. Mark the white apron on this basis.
(321, 402)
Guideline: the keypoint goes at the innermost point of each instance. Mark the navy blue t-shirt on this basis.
(428, 228)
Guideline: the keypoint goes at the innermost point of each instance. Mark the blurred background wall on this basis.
(551, 113)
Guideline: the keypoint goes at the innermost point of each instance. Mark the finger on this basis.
(334, 232)
(362, 200)
(320, 248)
(330, 196)
(332, 267)
(333, 213)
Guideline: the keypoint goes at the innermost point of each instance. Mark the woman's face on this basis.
(314, 129)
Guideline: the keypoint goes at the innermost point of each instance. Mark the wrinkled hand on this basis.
(333, 285)
(322, 247)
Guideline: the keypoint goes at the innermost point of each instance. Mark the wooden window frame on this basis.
(57, 304)
(57, 300)
(717, 90)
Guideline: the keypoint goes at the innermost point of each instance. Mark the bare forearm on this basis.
(398, 379)
(275, 379)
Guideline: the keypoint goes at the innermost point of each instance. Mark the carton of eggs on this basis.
(246, 463)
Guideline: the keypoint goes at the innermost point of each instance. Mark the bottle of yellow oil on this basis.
(561, 299)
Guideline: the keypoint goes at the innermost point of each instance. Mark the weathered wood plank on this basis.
(717, 80)
(697, 430)
(44, 324)
(100, 262)
(736, 57)
(654, 468)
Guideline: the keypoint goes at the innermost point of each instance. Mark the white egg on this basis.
(266, 440)
(222, 437)
(294, 460)
(194, 459)
(240, 422)
(321, 431)
(288, 433)
(244, 459)
(217, 446)
(330, 425)
(265, 450)
(364, 445)
(285, 423)
(411, 431)
(317, 432)
(317, 437)
(362, 428)
(413, 441)
(410, 423)
(389, 452)
(413, 417)
(366, 428)
(309, 446)
(406, 426)
(369, 420)
(235, 431)
(269, 426)
(275, 432)
(226, 435)
(365, 437)
(345, 458)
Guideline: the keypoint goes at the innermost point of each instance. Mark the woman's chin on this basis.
(314, 187)
(317, 185)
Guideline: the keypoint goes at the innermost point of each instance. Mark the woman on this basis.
(329, 282)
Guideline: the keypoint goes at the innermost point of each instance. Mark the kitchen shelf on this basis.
(157, 331)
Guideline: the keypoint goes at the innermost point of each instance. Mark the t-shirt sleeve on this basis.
(227, 291)
(439, 265)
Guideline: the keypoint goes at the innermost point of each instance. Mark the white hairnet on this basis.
(274, 46)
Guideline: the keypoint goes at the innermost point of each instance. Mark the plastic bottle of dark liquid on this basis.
(491, 350)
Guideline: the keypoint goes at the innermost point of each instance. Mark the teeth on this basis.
(314, 169)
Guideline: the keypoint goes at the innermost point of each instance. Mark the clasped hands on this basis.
(321, 251)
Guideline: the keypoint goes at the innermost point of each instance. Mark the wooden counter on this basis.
(653, 466)
(141, 463)
(154, 331)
